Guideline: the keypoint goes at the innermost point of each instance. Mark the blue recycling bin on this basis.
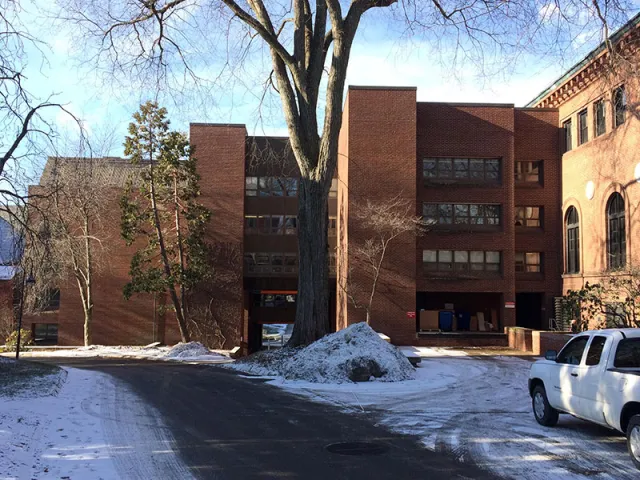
(464, 320)
(445, 321)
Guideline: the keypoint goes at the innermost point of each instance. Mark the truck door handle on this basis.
(574, 374)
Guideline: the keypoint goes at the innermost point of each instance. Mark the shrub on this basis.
(12, 340)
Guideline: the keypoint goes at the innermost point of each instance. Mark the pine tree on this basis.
(162, 207)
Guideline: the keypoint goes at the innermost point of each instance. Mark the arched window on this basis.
(616, 232)
(572, 230)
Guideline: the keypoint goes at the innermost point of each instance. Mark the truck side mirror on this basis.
(551, 355)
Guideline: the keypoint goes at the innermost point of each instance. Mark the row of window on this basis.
(277, 262)
(461, 214)
(477, 170)
(477, 214)
(616, 236)
(478, 261)
(619, 101)
(278, 225)
(461, 260)
(279, 187)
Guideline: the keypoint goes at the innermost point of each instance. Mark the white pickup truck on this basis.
(595, 377)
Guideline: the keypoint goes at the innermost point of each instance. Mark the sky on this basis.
(380, 57)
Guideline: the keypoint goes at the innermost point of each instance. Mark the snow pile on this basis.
(189, 350)
(356, 353)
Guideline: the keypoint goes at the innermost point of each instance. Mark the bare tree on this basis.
(72, 220)
(383, 222)
(309, 44)
(26, 133)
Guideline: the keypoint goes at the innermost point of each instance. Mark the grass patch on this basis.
(28, 379)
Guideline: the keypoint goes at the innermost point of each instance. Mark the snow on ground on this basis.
(478, 409)
(182, 352)
(94, 427)
(333, 359)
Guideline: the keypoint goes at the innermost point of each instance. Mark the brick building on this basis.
(524, 203)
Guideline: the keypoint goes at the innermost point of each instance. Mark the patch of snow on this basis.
(191, 352)
(432, 352)
(94, 427)
(478, 409)
(331, 359)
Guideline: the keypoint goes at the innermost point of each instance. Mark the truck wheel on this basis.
(633, 439)
(543, 411)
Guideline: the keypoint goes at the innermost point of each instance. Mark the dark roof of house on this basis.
(111, 171)
(614, 38)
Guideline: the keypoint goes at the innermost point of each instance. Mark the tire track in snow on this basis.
(139, 443)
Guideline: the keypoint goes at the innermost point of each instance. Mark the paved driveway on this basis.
(230, 427)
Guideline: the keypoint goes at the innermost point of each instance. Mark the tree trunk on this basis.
(88, 316)
(177, 305)
(312, 308)
(88, 310)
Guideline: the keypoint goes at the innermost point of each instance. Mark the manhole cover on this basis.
(357, 448)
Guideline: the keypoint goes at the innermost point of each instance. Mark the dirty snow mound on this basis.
(356, 353)
(188, 350)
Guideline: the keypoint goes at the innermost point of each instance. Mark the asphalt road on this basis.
(230, 427)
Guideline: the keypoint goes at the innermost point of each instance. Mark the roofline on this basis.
(634, 21)
(471, 104)
(379, 87)
(230, 125)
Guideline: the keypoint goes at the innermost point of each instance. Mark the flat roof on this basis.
(586, 60)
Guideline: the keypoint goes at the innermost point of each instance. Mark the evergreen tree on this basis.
(161, 206)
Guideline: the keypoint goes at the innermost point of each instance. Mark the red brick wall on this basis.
(220, 151)
(469, 131)
(378, 163)
(537, 138)
(116, 321)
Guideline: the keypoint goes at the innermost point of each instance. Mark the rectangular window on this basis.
(271, 187)
(628, 354)
(51, 300)
(268, 263)
(583, 127)
(529, 262)
(461, 214)
(528, 217)
(528, 172)
(277, 224)
(461, 261)
(595, 350)
(461, 170)
(333, 190)
(333, 226)
(599, 109)
(251, 186)
(619, 106)
(290, 187)
(264, 224)
(250, 224)
(566, 130)
(290, 225)
(45, 333)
